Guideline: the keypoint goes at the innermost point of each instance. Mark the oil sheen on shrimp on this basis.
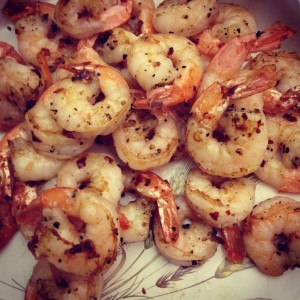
(48, 282)
(146, 140)
(192, 17)
(217, 201)
(225, 140)
(168, 67)
(154, 188)
(76, 230)
(48, 137)
(95, 171)
(195, 244)
(82, 18)
(271, 235)
(286, 94)
(280, 165)
(232, 21)
(94, 101)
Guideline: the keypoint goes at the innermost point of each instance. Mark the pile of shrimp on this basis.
(209, 87)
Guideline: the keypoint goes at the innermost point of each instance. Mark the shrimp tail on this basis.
(154, 188)
(271, 39)
(253, 83)
(233, 243)
(275, 101)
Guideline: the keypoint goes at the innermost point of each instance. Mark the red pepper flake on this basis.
(124, 222)
(228, 212)
(215, 215)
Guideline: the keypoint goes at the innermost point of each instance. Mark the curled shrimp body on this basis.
(195, 244)
(29, 164)
(286, 94)
(36, 32)
(146, 140)
(82, 18)
(20, 87)
(192, 17)
(280, 164)
(271, 235)
(168, 67)
(225, 140)
(154, 188)
(48, 137)
(223, 67)
(96, 171)
(75, 230)
(48, 282)
(217, 201)
(94, 101)
(115, 48)
(232, 21)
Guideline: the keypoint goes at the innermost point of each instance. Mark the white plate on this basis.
(140, 273)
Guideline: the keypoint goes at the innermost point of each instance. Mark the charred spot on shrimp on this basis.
(281, 241)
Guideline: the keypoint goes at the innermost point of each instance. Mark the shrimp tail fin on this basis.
(233, 243)
(271, 39)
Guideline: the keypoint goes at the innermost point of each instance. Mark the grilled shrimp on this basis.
(168, 67)
(96, 171)
(94, 101)
(225, 139)
(286, 94)
(83, 18)
(154, 188)
(280, 164)
(232, 21)
(146, 140)
(272, 235)
(195, 244)
(217, 201)
(20, 87)
(184, 17)
(48, 137)
(48, 282)
(75, 230)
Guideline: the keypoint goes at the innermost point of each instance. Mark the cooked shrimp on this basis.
(30, 165)
(168, 67)
(233, 20)
(286, 94)
(146, 140)
(140, 21)
(280, 164)
(114, 47)
(195, 243)
(48, 282)
(48, 137)
(8, 225)
(223, 67)
(135, 218)
(217, 201)
(82, 18)
(96, 171)
(94, 101)
(272, 235)
(10, 115)
(192, 17)
(36, 32)
(154, 188)
(20, 87)
(76, 230)
(227, 140)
